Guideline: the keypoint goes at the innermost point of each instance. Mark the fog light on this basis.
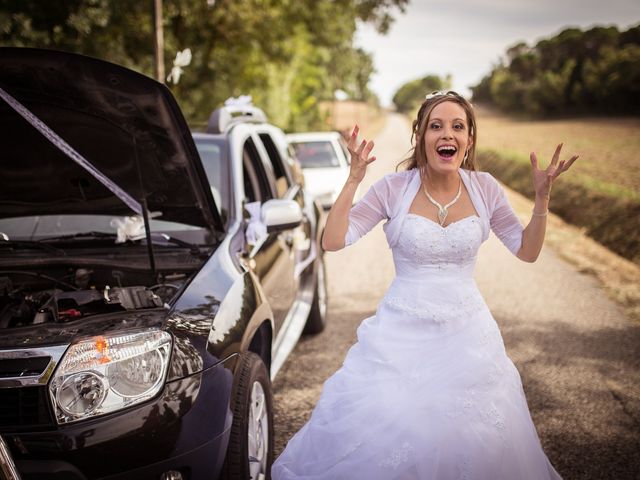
(171, 475)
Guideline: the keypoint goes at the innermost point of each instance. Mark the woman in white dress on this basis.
(428, 392)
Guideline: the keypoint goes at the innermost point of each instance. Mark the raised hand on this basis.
(543, 179)
(359, 155)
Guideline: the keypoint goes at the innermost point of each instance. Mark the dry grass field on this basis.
(609, 148)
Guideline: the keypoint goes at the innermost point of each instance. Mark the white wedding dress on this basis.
(427, 392)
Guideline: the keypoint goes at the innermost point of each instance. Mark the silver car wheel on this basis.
(258, 433)
(322, 290)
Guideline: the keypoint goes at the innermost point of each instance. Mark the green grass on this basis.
(608, 188)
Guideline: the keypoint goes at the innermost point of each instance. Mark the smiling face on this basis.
(447, 137)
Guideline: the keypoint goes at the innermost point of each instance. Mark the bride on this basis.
(428, 392)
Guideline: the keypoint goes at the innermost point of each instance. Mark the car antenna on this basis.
(145, 212)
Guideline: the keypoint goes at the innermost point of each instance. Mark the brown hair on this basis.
(418, 157)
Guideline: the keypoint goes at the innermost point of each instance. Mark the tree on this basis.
(287, 54)
(412, 93)
(595, 71)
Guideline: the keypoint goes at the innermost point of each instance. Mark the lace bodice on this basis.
(425, 247)
(434, 283)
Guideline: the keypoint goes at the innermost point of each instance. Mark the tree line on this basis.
(410, 95)
(289, 55)
(596, 71)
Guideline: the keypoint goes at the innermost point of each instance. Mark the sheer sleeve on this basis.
(504, 221)
(373, 207)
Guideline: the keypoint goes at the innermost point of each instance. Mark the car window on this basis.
(282, 181)
(213, 155)
(258, 183)
(316, 154)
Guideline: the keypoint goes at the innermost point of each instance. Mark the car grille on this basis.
(23, 367)
(24, 407)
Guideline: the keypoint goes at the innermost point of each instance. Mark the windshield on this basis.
(318, 154)
(34, 228)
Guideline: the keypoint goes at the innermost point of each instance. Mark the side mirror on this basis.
(279, 214)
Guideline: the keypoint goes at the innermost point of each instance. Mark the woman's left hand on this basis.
(543, 179)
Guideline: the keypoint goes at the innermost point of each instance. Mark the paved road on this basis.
(577, 353)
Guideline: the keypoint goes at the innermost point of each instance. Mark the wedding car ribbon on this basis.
(129, 228)
(70, 152)
(241, 101)
(182, 59)
(256, 230)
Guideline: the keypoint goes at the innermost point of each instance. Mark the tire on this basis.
(250, 450)
(318, 315)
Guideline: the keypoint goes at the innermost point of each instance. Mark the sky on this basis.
(465, 38)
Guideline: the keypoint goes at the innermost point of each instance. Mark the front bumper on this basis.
(186, 429)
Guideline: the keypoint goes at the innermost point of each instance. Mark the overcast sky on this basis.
(465, 38)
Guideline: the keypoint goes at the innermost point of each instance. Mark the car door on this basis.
(288, 188)
(272, 257)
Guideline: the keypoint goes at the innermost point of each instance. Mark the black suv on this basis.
(150, 285)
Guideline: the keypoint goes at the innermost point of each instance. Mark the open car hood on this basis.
(128, 126)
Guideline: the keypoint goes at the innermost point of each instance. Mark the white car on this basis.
(324, 159)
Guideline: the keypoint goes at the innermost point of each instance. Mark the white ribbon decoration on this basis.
(241, 101)
(129, 228)
(182, 59)
(256, 230)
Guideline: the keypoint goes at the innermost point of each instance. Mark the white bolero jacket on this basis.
(391, 196)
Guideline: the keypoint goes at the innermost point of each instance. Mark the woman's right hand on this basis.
(359, 156)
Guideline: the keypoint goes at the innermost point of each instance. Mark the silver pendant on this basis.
(442, 215)
(442, 210)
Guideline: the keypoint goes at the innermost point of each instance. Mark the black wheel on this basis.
(250, 450)
(318, 316)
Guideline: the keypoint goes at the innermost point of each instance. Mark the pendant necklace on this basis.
(442, 211)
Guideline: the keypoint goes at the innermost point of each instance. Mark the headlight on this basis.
(104, 374)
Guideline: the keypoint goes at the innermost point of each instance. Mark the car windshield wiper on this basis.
(80, 236)
(161, 239)
(164, 239)
(26, 244)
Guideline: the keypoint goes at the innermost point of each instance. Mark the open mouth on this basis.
(447, 151)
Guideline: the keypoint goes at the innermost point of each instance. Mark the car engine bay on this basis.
(63, 294)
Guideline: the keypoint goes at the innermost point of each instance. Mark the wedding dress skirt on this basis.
(427, 392)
